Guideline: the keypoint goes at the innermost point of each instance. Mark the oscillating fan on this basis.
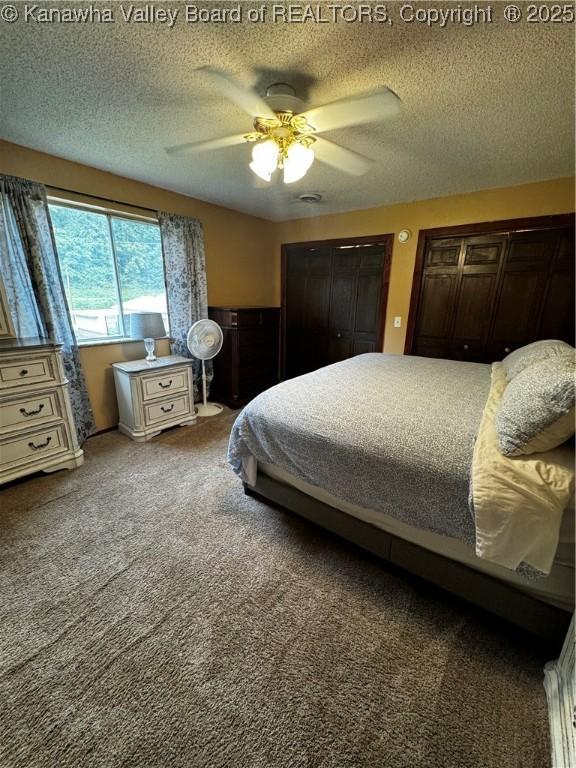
(204, 342)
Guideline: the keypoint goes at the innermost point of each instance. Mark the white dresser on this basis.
(37, 430)
(153, 396)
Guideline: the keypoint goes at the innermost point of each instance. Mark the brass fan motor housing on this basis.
(286, 129)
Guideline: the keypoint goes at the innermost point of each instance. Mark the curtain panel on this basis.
(186, 291)
(33, 282)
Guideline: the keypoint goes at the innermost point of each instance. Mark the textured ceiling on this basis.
(483, 106)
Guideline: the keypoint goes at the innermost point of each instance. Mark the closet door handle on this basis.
(165, 386)
(167, 410)
(24, 412)
(39, 446)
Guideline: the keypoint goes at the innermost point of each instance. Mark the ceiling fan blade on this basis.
(203, 146)
(338, 157)
(245, 98)
(354, 111)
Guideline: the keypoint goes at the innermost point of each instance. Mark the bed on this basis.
(379, 450)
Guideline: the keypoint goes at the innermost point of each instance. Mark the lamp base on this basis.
(150, 346)
(208, 409)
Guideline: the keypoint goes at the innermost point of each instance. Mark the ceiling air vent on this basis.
(310, 197)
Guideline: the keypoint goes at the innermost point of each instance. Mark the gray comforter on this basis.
(384, 432)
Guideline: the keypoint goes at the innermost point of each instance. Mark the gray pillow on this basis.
(536, 398)
(521, 358)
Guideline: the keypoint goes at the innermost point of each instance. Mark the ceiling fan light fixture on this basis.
(264, 159)
(297, 162)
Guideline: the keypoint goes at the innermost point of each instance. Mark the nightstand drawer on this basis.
(156, 386)
(33, 445)
(29, 410)
(33, 370)
(165, 410)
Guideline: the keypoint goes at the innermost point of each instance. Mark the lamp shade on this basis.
(297, 162)
(265, 159)
(146, 325)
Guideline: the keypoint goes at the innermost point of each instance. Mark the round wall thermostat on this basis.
(404, 235)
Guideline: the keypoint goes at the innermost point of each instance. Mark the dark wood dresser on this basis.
(249, 360)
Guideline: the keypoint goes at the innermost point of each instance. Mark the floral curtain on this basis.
(34, 288)
(185, 271)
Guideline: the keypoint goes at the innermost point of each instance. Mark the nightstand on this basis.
(153, 396)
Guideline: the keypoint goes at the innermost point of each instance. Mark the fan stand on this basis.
(206, 408)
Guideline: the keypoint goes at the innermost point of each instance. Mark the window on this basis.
(111, 266)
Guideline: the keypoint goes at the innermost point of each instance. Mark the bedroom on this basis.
(345, 602)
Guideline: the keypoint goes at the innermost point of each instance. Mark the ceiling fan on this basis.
(286, 137)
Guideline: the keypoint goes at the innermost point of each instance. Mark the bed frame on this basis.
(545, 621)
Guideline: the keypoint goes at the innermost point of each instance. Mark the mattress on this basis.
(391, 433)
(556, 589)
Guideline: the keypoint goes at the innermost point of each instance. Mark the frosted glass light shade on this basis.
(264, 159)
(298, 161)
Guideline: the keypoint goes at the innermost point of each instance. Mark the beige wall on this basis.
(239, 251)
(540, 199)
(243, 252)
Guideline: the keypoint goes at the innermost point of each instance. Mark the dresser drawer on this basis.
(166, 410)
(245, 317)
(32, 370)
(175, 380)
(29, 410)
(249, 337)
(34, 445)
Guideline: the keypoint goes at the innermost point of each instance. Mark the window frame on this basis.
(109, 213)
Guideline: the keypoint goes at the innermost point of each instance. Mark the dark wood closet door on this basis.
(480, 259)
(557, 321)
(530, 286)
(483, 295)
(333, 304)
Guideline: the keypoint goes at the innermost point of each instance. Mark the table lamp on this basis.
(148, 326)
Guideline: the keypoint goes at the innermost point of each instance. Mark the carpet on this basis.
(152, 615)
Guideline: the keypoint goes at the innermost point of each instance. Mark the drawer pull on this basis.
(465, 346)
(165, 386)
(39, 447)
(24, 412)
(167, 410)
(506, 349)
(24, 372)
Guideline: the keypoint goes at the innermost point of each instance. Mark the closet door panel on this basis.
(536, 249)
(316, 301)
(333, 297)
(342, 301)
(472, 311)
(367, 303)
(436, 305)
(339, 347)
(518, 307)
(483, 250)
(558, 310)
(443, 252)
(482, 296)
(362, 346)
